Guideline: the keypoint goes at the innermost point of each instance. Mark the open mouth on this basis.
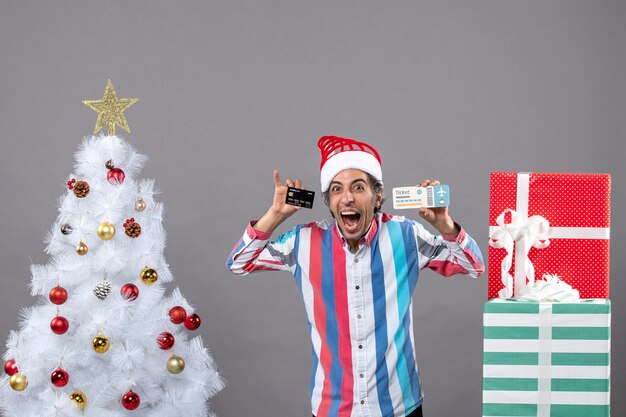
(351, 220)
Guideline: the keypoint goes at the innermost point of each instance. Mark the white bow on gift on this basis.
(550, 288)
(522, 233)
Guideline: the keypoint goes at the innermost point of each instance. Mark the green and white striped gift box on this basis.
(546, 359)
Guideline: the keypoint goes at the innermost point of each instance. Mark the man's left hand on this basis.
(438, 217)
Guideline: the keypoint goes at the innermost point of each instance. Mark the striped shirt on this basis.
(359, 305)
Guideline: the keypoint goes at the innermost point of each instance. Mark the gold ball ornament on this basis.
(18, 381)
(80, 399)
(175, 364)
(82, 249)
(100, 343)
(140, 205)
(149, 276)
(106, 231)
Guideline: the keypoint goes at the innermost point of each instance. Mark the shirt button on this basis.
(357, 287)
(360, 346)
(358, 316)
(362, 401)
(361, 375)
(356, 260)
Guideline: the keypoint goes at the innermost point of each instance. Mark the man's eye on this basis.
(335, 189)
(358, 187)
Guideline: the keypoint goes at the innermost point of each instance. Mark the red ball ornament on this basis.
(165, 340)
(129, 291)
(10, 367)
(59, 325)
(193, 322)
(178, 315)
(116, 176)
(131, 400)
(58, 295)
(59, 378)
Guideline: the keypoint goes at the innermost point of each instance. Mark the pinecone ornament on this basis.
(132, 228)
(102, 290)
(81, 189)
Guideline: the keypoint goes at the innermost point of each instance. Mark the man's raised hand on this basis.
(438, 217)
(280, 195)
(279, 210)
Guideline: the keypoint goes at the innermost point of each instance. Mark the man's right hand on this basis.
(279, 211)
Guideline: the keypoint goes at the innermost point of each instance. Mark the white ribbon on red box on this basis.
(549, 288)
(525, 232)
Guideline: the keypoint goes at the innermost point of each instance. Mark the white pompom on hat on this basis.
(339, 154)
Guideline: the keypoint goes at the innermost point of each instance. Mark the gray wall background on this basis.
(231, 89)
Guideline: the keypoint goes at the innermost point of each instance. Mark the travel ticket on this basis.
(417, 197)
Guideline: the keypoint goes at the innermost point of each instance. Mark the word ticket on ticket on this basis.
(417, 197)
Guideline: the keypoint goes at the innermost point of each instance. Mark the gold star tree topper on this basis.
(110, 110)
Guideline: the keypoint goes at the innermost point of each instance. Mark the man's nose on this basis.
(347, 196)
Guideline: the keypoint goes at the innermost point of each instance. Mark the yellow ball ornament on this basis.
(80, 399)
(106, 231)
(82, 249)
(175, 364)
(149, 276)
(100, 343)
(140, 205)
(18, 381)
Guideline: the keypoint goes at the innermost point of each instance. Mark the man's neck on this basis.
(354, 244)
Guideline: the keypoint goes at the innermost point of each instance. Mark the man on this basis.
(357, 274)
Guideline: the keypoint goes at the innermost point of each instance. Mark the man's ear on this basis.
(379, 199)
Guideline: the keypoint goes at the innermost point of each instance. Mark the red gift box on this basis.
(553, 223)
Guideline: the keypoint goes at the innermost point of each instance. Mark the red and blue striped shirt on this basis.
(359, 305)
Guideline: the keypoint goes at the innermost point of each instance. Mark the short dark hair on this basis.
(375, 185)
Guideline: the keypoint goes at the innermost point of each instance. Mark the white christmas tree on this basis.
(104, 340)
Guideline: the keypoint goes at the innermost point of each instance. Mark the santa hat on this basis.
(343, 153)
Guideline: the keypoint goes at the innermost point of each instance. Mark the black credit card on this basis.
(300, 198)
